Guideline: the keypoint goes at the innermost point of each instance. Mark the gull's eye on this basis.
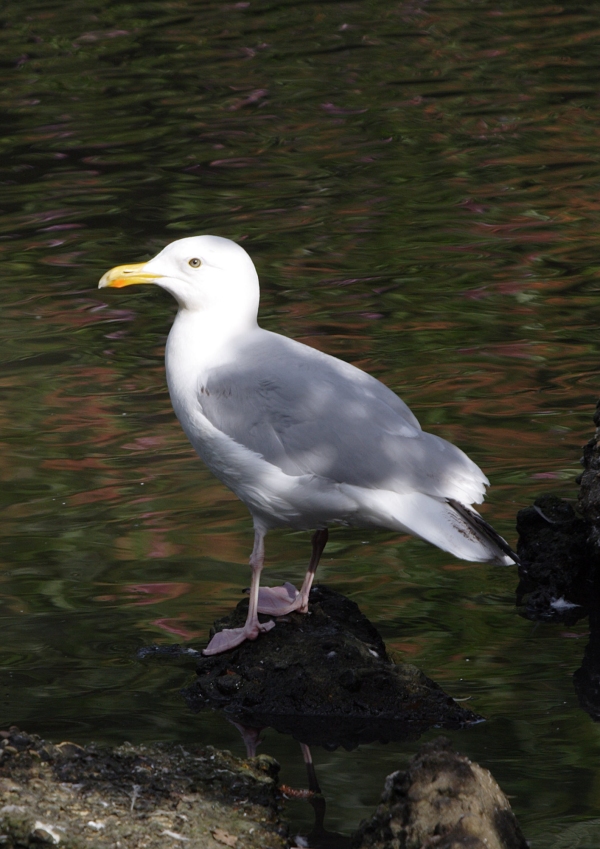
(195, 262)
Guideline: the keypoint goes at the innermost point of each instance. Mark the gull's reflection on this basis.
(250, 736)
(319, 837)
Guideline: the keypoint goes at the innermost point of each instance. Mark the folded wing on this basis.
(309, 413)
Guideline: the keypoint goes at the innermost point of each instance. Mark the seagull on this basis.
(304, 439)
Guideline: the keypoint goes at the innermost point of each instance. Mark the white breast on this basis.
(305, 501)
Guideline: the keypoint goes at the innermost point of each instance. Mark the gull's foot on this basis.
(277, 601)
(229, 638)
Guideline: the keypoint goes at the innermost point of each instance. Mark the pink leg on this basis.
(281, 600)
(232, 637)
(313, 783)
(250, 736)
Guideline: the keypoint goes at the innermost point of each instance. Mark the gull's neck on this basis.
(203, 338)
(198, 342)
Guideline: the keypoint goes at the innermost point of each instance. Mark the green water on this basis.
(419, 186)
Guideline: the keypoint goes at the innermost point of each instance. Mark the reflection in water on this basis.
(587, 678)
(250, 736)
(319, 837)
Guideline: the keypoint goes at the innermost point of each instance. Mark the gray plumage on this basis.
(304, 439)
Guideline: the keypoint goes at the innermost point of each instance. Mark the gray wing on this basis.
(309, 413)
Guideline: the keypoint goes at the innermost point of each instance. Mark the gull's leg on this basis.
(281, 600)
(250, 736)
(319, 541)
(232, 637)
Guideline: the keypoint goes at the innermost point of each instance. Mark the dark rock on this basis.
(560, 549)
(325, 678)
(560, 566)
(442, 800)
(556, 559)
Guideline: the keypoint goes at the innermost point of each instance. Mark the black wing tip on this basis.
(486, 530)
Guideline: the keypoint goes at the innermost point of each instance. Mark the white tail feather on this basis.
(449, 525)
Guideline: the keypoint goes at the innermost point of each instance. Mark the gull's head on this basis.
(201, 272)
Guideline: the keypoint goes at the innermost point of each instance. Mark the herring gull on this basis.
(303, 439)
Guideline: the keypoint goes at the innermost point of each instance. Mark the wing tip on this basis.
(500, 551)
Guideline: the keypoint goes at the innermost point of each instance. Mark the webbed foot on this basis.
(277, 601)
(229, 638)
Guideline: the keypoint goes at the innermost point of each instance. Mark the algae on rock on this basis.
(444, 800)
(135, 796)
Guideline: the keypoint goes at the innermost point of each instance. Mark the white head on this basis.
(203, 273)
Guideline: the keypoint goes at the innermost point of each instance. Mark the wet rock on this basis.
(131, 797)
(560, 548)
(560, 568)
(135, 796)
(324, 678)
(556, 559)
(442, 800)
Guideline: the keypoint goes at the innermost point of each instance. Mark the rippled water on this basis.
(418, 184)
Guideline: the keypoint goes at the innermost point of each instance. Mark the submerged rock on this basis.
(135, 796)
(325, 678)
(443, 800)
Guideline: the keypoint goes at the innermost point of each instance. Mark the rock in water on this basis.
(443, 800)
(325, 679)
(556, 557)
(138, 797)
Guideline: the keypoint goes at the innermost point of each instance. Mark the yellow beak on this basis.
(127, 275)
